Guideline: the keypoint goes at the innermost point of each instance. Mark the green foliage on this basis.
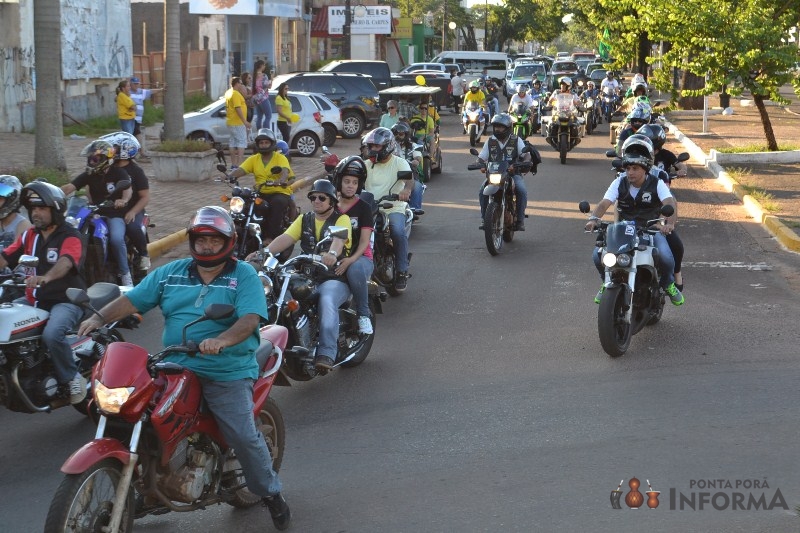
(181, 146)
(93, 127)
(785, 147)
(25, 175)
(195, 101)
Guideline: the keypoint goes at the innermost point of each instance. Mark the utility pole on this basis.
(348, 19)
(486, 27)
(444, 27)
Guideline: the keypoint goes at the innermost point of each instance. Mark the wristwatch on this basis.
(334, 254)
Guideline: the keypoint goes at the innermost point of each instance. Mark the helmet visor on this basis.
(6, 190)
(95, 159)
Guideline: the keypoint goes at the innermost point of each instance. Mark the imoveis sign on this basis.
(364, 20)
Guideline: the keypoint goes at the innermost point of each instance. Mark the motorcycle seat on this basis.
(102, 293)
(263, 352)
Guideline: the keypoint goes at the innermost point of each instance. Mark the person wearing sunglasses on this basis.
(310, 228)
(638, 117)
(391, 117)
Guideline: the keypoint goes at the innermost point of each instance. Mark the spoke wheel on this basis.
(493, 227)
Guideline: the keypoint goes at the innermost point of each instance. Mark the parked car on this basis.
(592, 67)
(378, 70)
(524, 73)
(331, 118)
(591, 56)
(563, 68)
(413, 67)
(354, 94)
(209, 124)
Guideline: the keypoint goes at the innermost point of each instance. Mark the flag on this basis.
(604, 46)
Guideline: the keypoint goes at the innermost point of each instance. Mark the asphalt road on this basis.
(487, 403)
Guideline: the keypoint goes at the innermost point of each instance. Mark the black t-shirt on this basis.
(360, 217)
(139, 181)
(99, 186)
(665, 159)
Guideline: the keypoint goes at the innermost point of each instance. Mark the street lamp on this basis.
(444, 27)
(346, 29)
(452, 26)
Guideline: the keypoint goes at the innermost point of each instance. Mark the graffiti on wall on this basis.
(96, 39)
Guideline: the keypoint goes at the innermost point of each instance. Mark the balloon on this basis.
(295, 117)
(420, 79)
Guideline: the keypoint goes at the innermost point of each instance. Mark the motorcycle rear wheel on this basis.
(363, 346)
(84, 502)
(493, 228)
(270, 424)
(615, 334)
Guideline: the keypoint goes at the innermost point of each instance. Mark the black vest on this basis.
(644, 207)
(509, 153)
(308, 237)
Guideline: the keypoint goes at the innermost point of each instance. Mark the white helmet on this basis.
(637, 150)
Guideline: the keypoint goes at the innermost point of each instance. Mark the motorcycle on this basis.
(500, 217)
(539, 101)
(156, 448)
(565, 128)
(632, 298)
(521, 120)
(429, 147)
(291, 292)
(592, 114)
(608, 103)
(28, 382)
(100, 265)
(474, 121)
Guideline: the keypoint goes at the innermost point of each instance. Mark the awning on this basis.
(319, 23)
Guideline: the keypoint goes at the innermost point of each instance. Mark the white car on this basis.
(331, 117)
(209, 124)
(413, 67)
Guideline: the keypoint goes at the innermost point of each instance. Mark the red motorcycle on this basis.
(156, 450)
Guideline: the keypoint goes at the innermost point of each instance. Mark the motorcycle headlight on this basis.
(609, 260)
(111, 400)
(624, 260)
(495, 178)
(72, 221)
(237, 205)
(266, 282)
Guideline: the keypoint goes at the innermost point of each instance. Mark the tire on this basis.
(98, 485)
(492, 228)
(271, 425)
(363, 346)
(200, 136)
(426, 169)
(508, 232)
(94, 269)
(615, 335)
(655, 319)
(473, 136)
(330, 134)
(306, 143)
(563, 148)
(438, 168)
(353, 124)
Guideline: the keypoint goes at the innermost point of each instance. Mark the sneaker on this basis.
(599, 294)
(144, 263)
(674, 294)
(323, 363)
(519, 226)
(77, 389)
(401, 282)
(278, 510)
(126, 280)
(365, 325)
(481, 226)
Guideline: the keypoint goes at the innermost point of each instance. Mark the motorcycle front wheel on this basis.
(270, 424)
(614, 332)
(84, 502)
(563, 148)
(473, 136)
(493, 227)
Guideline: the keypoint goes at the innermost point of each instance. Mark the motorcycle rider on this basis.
(381, 180)
(12, 224)
(126, 147)
(474, 95)
(536, 89)
(504, 145)
(639, 196)
(591, 91)
(423, 123)
(492, 90)
(226, 363)
(309, 228)
(61, 251)
(349, 177)
(565, 87)
(611, 82)
(275, 189)
(638, 117)
(99, 176)
(407, 150)
(521, 97)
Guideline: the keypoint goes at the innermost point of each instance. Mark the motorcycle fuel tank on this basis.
(19, 321)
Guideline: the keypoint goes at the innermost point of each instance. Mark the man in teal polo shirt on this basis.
(226, 363)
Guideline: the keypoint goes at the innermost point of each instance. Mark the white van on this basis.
(474, 62)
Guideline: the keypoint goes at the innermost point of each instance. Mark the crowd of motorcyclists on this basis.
(390, 163)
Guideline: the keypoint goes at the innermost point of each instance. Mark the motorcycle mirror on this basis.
(276, 170)
(77, 296)
(324, 149)
(584, 206)
(404, 175)
(617, 164)
(28, 261)
(474, 151)
(683, 156)
(611, 153)
(222, 168)
(667, 210)
(218, 311)
(338, 232)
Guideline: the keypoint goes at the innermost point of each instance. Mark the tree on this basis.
(173, 98)
(49, 147)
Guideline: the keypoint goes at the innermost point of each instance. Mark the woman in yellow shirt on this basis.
(126, 109)
(284, 108)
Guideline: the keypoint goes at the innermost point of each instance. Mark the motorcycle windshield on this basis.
(520, 110)
(564, 104)
(75, 204)
(621, 237)
(473, 107)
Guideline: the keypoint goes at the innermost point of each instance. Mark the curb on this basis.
(783, 233)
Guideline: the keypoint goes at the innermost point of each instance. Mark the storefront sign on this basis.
(364, 20)
(403, 28)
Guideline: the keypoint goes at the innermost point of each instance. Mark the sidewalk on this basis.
(171, 203)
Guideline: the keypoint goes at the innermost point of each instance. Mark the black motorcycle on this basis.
(565, 126)
(291, 292)
(500, 217)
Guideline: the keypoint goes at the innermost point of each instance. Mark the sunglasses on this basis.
(391, 107)
(201, 296)
(317, 197)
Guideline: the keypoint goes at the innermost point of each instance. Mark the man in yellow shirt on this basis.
(274, 187)
(475, 94)
(236, 120)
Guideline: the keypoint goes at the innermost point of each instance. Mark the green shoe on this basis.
(600, 294)
(674, 294)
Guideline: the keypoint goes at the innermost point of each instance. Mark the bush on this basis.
(182, 146)
(50, 175)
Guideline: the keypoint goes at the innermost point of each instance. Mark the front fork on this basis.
(628, 287)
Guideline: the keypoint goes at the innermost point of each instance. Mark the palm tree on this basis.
(173, 99)
(49, 148)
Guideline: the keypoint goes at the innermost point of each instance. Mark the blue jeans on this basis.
(332, 294)
(264, 115)
(397, 227)
(358, 275)
(127, 125)
(664, 260)
(116, 241)
(521, 193)
(64, 317)
(231, 403)
(415, 200)
(137, 234)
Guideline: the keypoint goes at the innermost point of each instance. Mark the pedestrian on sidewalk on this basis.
(139, 95)
(126, 109)
(236, 121)
(261, 86)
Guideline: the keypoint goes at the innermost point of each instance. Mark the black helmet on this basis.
(401, 132)
(350, 166)
(637, 150)
(326, 187)
(43, 194)
(99, 155)
(501, 126)
(10, 189)
(655, 133)
(212, 220)
(266, 133)
(385, 138)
